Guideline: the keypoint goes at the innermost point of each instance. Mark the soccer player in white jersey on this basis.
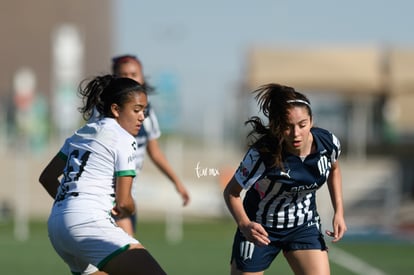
(147, 138)
(96, 167)
(288, 161)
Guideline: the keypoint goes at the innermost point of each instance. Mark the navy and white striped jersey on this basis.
(283, 199)
(149, 130)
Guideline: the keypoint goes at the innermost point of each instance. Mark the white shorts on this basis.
(86, 243)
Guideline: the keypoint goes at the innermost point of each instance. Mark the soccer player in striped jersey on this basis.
(288, 161)
(147, 138)
(96, 167)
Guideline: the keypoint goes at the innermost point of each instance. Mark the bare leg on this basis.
(235, 271)
(126, 225)
(308, 262)
(135, 261)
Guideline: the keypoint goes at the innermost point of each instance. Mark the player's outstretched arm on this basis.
(159, 159)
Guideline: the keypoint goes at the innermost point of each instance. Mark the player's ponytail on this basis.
(91, 91)
(102, 91)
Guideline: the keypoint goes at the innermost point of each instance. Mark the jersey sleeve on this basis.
(329, 142)
(64, 150)
(250, 170)
(151, 125)
(125, 158)
(336, 148)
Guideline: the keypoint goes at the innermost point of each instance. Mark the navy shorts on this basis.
(251, 258)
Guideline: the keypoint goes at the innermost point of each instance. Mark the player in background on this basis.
(147, 138)
(286, 164)
(96, 167)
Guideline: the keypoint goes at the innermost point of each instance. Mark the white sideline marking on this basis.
(352, 263)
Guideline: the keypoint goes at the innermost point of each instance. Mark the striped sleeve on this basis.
(151, 124)
(250, 169)
(336, 149)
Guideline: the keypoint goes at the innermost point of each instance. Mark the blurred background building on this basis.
(57, 44)
(362, 93)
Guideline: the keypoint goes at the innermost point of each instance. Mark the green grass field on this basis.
(205, 249)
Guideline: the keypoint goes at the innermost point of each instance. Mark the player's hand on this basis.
(117, 213)
(255, 233)
(183, 193)
(339, 228)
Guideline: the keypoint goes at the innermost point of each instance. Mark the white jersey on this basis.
(96, 154)
(150, 130)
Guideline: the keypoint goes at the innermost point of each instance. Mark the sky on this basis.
(203, 45)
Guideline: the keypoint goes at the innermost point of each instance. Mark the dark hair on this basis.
(274, 100)
(117, 61)
(102, 91)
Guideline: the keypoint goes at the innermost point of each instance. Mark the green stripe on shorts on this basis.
(112, 255)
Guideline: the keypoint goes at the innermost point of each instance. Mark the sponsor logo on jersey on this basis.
(312, 186)
(132, 158)
(243, 170)
(285, 174)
